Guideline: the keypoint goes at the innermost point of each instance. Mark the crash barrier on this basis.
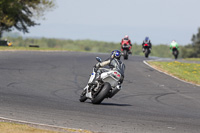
(36, 46)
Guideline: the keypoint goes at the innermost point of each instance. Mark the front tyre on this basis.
(146, 53)
(175, 53)
(125, 54)
(83, 97)
(102, 94)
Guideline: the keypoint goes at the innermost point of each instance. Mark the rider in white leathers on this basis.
(112, 62)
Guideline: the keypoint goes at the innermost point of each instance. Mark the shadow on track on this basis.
(110, 104)
(115, 104)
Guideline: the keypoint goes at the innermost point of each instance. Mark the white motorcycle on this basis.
(106, 83)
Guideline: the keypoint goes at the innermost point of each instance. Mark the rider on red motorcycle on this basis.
(126, 40)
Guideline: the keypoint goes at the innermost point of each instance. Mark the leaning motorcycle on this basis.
(146, 50)
(126, 51)
(105, 86)
(175, 52)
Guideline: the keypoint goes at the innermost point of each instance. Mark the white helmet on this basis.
(126, 36)
(173, 41)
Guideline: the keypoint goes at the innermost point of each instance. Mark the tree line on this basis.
(162, 50)
(192, 50)
(86, 45)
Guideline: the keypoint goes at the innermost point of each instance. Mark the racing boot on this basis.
(89, 95)
(88, 92)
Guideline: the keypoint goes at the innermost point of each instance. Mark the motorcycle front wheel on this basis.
(125, 54)
(146, 53)
(83, 97)
(175, 53)
(102, 94)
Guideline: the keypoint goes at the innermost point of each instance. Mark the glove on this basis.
(96, 67)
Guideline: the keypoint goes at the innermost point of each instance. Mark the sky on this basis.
(110, 20)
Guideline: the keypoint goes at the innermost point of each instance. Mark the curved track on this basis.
(44, 87)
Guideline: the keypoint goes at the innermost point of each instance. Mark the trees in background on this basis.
(196, 44)
(192, 50)
(85, 45)
(21, 14)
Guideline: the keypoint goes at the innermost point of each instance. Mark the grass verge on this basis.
(18, 128)
(192, 59)
(6, 127)
(189, 72)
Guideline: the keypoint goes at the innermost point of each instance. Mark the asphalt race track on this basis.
(44, 87)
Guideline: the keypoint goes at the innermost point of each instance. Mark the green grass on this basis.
(186, 71)
(192, 59)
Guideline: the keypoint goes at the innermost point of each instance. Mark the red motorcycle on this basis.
(125, 48)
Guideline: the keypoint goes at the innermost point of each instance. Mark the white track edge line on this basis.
(144, 61)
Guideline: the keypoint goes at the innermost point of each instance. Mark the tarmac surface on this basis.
(44, 87)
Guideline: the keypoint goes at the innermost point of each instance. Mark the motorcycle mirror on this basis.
(98, 59)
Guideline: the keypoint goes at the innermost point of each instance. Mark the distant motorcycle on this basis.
(175, 52)
(126, 46)
(106, 84)
(147, 50)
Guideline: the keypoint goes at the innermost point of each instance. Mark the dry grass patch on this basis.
(18, 128)
(6, 127)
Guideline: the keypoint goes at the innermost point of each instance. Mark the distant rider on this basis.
(173, 44)
(113, 62)
(124, 40)
(146, 41)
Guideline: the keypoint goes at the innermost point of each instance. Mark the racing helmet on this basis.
(146, 39)
(173, 41)
(126, 36)
(116, 54)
